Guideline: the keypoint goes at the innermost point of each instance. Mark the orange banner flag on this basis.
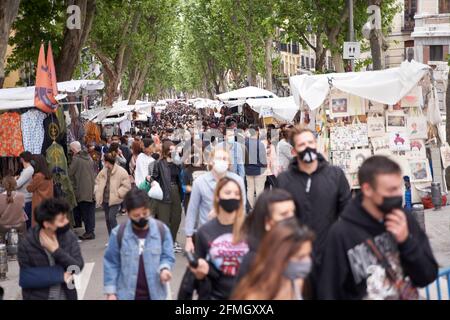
(51, 69)
(43, 93)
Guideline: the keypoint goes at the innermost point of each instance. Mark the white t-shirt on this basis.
(143, 161)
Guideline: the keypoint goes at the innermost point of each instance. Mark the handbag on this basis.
(405, 288)
(155, 191)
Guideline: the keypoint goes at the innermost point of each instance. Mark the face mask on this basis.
(390, 203)
(298, 269)
(141, 223)
(177, 159)
(220, 166)
(308, 155)
(63, 229)
(229, 205)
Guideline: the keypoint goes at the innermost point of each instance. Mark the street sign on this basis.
(352, 50)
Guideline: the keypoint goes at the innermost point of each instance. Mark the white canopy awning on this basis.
(384, 86)
(23, 97)
(114, 120)
(246, 93)
(283, 109)
(94, 113)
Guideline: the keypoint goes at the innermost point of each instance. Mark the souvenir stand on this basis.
(24, 127)
(390, 112)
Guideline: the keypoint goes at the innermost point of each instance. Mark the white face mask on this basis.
(220, 166)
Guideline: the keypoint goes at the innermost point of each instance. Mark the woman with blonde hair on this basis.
(219, 243)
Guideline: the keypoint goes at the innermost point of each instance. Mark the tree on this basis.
(8, 12)
(74, 40)
(45, 20)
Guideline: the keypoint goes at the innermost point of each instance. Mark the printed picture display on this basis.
(399, 141)
(445, 154)
(339, 105)
(395, 121)
(420, 171)
(380, 146)
(358, 156)
(374, 107)
(417, 149)
(417, 127)
(413, 98)
(348, 137)
(352, 178)
(356, 105)
(342, 159)
(375, 127)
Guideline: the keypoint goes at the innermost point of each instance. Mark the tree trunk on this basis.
(338, 61)
(136, 90)
(376, 43)
(8, 13)
(321, 54)
(74, 41)
(268, 60)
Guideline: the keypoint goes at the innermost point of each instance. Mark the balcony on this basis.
(432, 25)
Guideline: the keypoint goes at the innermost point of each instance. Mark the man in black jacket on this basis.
(49, 254)
(375, 243)
(320, 191)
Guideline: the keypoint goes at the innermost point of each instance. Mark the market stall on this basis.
(390, 112)
(282, 109)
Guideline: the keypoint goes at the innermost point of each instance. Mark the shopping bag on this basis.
(145, 185)
(155, 191)
(375, 126)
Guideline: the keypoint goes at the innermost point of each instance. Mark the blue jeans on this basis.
(28, 211)
(110, 216)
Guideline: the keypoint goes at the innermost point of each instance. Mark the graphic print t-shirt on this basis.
(215, 244)
(365, 266)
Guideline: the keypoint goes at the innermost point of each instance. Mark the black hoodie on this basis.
(346, 259)
(320, 206)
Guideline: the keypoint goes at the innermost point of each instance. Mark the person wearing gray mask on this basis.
(281, 265)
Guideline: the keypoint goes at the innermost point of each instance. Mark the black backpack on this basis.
(124, 224)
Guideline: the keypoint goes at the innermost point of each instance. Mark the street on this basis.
(91, 279)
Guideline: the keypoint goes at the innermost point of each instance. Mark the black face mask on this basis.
(141, 223)
(62, 230)
(390, 203)
(308, 155)
(229, 205)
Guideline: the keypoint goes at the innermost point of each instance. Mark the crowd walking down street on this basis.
(223, 228)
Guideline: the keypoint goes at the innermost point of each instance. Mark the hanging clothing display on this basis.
(125, 126)
(57, 164)
(11, 144)
(53, 133)
(32, 123)
(92, 133)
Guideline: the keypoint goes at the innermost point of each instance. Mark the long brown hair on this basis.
(166, 148)
(265, 278)
(240, 216)
(10, 185)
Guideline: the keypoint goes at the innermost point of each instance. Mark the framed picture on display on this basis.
(412, 98)
(358, 156)
(352, 178)
(395, 121)
(420, 170)
(380, 146)
(417, 127)
(374, 107)
(399, 141)
(339, 105)
(417, 149)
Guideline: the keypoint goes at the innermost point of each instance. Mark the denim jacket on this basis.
(121, 268)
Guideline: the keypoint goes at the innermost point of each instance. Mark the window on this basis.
(307, 62)
(313, 65)
(436, 53)
(444, 6)
(303, 62)
(410, 9)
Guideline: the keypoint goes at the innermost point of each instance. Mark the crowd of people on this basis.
(266, 216)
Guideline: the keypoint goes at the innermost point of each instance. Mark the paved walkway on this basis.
(437, 228)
